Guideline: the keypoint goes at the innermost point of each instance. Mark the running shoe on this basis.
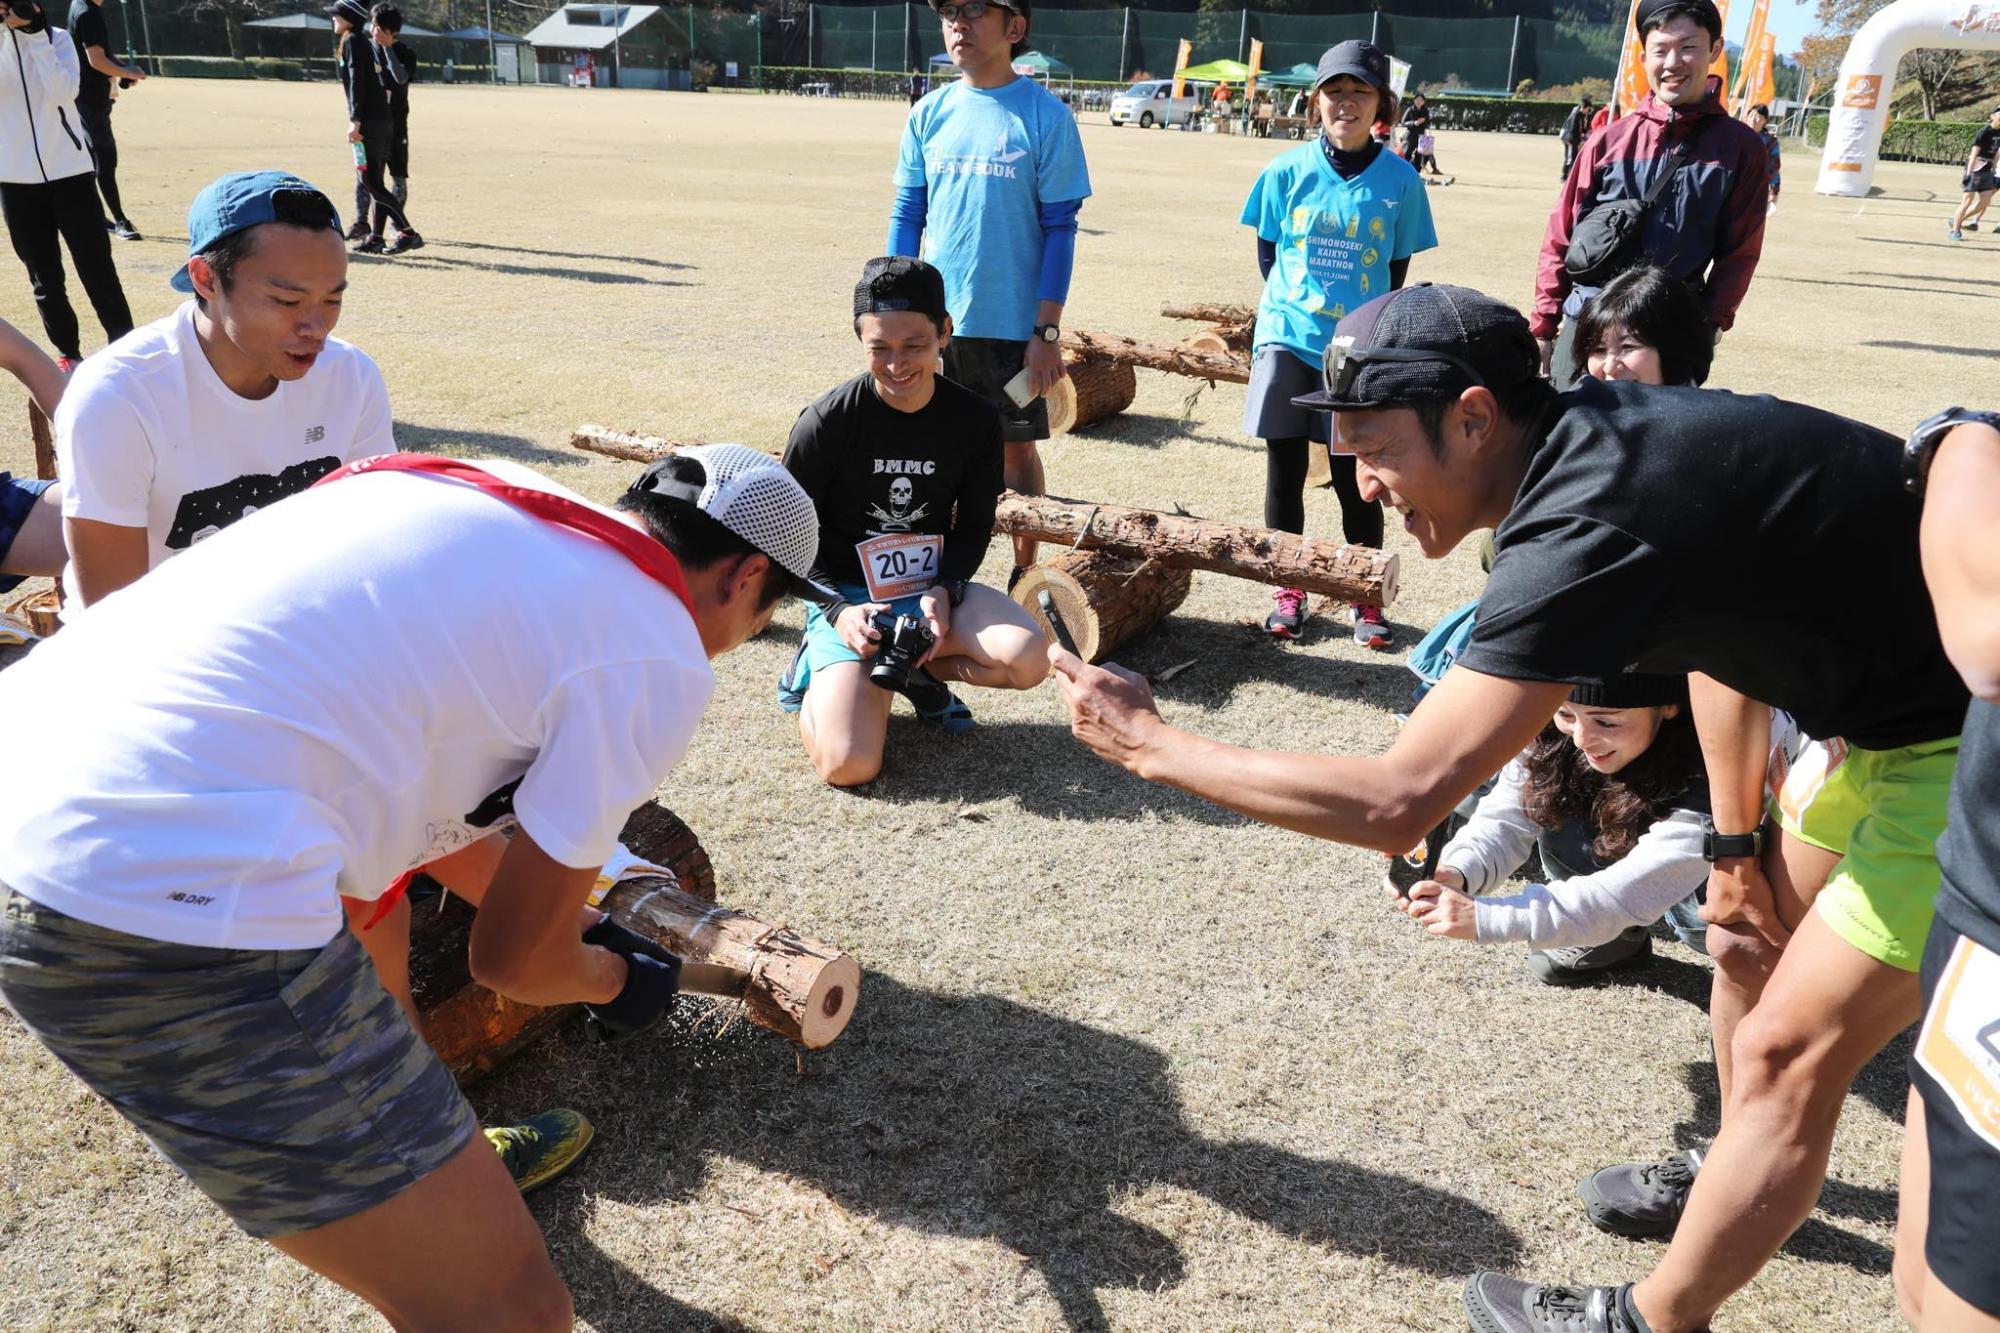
(405, 242)
(1370, 629)
(1641, 1201)
(936, 704)
(1956, 234)
(358, 230)
(541, 1147)
(67, 364)
(1496, 1303)
(125, 231)
(1567, 967)
(370, 245)
(1014, 577)
(1290, 615)
(1970, 226)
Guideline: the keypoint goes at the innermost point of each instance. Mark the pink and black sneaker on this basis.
(1285, 622)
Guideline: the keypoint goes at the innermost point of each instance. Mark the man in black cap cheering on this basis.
(1739, 532)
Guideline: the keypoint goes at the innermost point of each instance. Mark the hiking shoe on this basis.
(1370, 629)
(1496, 1303)
(405, 242)
(541, 1147)
(936, 704)
(370, 245)
(1956, 234)
(1641, 1201)
(125, 231)
(792, 684)
(1284, 623)
(1566, 967)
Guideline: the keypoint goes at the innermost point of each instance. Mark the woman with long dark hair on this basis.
(1614, 796)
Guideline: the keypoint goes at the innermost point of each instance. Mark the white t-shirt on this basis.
(326, 696)
(149, 436)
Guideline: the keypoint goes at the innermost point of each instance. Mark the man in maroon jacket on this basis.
(1707, 227)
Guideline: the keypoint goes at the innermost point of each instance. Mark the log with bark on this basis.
(1207, 312)
(1221, 340)
(1263, 555)
(45, 442)
(474, 1030)
(1105, 600)
(1082, 346)
(632, 447)
(1092, 391)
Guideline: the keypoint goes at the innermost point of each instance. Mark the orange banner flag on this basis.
(1256, 68)
(1629, 88)
(1181, 63)
(1764, 82)
(1720, 69)
(1753, 41)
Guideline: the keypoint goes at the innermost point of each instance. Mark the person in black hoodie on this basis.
(369, 71)
(48, 190)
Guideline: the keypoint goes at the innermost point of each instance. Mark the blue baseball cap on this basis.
(243, 199)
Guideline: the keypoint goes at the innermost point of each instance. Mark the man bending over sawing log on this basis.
(1736, 537)
(306, 706)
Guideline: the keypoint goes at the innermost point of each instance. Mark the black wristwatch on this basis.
(955, 589)
(1923, 442)
(1721, 846)
(1048, 333)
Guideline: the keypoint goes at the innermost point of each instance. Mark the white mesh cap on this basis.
(754, 496)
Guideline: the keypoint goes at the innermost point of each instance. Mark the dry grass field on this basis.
(1121, 1058)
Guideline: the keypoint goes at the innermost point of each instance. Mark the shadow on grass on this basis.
(1151, 430)
(1927, 245)
(638, 261)
(1228, 655)
(461, 443)
(1904, 345)
(973, 1117)
(1924, 278)
(426, 259)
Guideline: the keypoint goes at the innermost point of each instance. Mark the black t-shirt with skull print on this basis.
(872, 470)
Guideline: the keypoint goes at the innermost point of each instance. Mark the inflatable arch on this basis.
(1868, 76)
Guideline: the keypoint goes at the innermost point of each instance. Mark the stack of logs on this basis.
(799, 988)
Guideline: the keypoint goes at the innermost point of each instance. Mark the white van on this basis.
(1150, 103)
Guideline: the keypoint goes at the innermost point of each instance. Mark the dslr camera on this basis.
(904, 640)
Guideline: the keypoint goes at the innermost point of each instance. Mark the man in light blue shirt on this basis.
(988, 184)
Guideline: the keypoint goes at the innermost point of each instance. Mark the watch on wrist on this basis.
(1922, 445)
(1721, 846)
(955, 589)
(1048, 333)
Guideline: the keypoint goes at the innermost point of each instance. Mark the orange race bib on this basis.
(899, 564)
(1960, 1043)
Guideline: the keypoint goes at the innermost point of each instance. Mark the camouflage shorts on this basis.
(287, 1085)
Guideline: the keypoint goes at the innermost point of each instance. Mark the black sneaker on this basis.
(1014, 577)
(1499, 1304)
(1567, 967)
(405, 242)
(125, 231)
(358, 231)
(369, 245)
(1641, 1201)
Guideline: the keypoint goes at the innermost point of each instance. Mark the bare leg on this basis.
(455, 1251)
(38, 546)
(845, 723)
(1022, 470)
(1744, 959)
(1945, 1311)
(992, 643)
(387, 944)
(1913, 1206)
(1825, 1013)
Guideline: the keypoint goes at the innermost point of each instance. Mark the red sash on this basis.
(653, 559)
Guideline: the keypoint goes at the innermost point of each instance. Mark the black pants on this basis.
(104, 152)
(1285, 462)
(379, 138)
(1570, 150)
(36, 216)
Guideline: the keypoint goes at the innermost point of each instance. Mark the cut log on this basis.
(1209, 313)
(45, 442)
(475, 1031)
(1092, 391)
(624, 444)
(801, 989)
(1221, 340)
(1263, 555)
(40, 611)
(1083, 346)
(1105, 600)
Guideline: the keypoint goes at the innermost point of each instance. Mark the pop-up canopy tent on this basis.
(1037, 65)
(1298, 76)
(1217, 71)
(321, 23)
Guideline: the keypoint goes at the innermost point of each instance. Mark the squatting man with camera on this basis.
(904, 467)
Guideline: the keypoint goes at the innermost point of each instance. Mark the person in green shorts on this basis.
(1738, 537)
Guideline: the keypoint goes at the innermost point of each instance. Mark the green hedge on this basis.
(223, 67)
(1947, 142)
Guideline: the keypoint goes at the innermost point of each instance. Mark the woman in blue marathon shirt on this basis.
(1337, 221)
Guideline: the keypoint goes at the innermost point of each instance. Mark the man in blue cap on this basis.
(236, 400)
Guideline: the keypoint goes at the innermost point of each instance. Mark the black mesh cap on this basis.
(894, 283)
(1633, 689)
(1427, 343)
